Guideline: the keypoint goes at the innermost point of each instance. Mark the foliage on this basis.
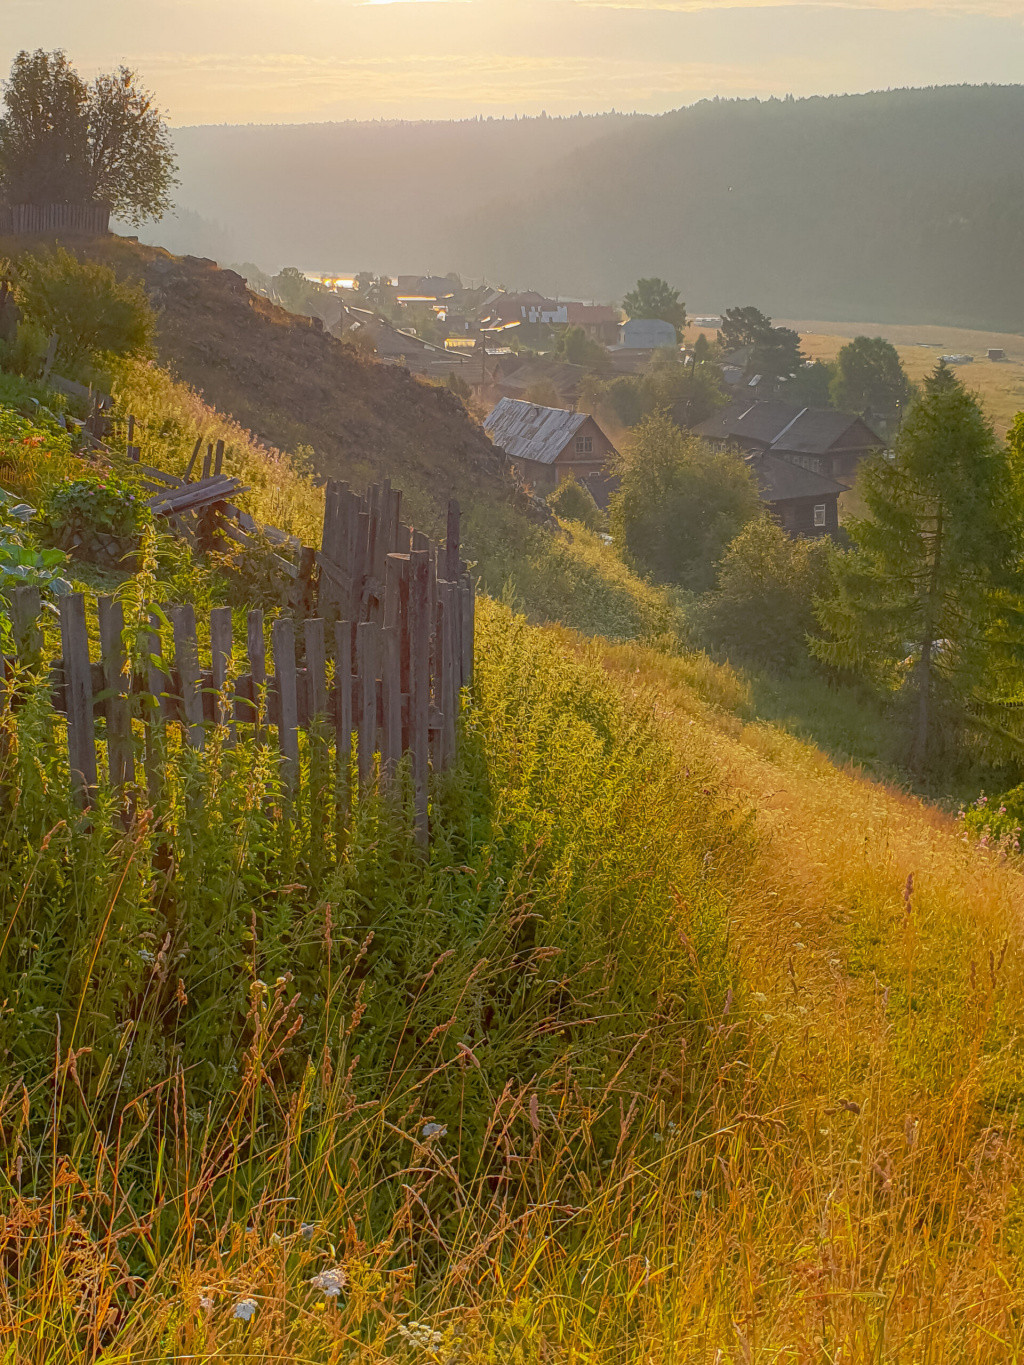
(256, 574)
(996, 822)
(762, 607)
(870, 379)
(63, 141)
(810, 386)
(35, 456)
(575, 347)
(653, 298)
(679, 504)
(776, 355)
(581, 583)
(742, 327)
(22, 563)
(543, 393)
(458, 385)
(931, 598)
(104, 503)
(690, 392)
(92, 312)
(573, 501)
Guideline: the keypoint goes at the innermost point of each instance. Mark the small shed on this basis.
(647, 334)
(548, 445)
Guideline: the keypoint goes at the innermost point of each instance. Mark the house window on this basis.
(819, 514)
(584, 445)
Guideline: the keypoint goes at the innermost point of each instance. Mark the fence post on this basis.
(78, 688)
(26, 607)
(283, 640)
(186, 658)
(368, 641)
(120, 755)
(157, 683)
(257, 649)
(419, 687)
(222, 650)
(452, 563)
(319, 754)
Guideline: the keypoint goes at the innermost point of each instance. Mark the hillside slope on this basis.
(293, 385)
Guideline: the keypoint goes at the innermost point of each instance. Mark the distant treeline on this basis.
(906, 205)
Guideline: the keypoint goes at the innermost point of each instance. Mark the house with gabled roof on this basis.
(804, 504)
(819, 439)
(547, 445)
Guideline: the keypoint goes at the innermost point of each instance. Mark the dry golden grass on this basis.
(1000, 384)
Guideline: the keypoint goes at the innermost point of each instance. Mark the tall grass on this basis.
(239, 1052)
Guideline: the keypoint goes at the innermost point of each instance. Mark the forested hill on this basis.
(379, 196)
(905, 205)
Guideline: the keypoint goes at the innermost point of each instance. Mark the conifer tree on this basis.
(935, 577)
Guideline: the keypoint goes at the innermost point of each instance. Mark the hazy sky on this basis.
(262, 61)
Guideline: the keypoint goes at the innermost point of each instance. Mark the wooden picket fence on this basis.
(377, 672)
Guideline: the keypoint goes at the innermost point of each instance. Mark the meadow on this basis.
(683, 1045)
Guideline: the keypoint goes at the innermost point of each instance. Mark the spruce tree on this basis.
(934, 580)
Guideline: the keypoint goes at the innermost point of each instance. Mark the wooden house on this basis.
(547, 445)
(818, 439)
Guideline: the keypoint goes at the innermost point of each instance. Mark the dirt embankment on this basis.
(293, 384)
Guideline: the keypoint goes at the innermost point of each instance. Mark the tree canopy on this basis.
(870, 379)
(63, 141)
(775, 352)
(679, 503)
(932, 597)
(654, 298)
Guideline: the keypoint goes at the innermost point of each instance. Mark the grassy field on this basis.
(1000, 384)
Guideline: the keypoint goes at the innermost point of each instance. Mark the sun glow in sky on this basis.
(263, 61)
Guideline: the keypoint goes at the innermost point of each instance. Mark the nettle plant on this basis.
(105, 504)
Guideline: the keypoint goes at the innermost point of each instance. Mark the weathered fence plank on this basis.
(74, 636)
(120, 749)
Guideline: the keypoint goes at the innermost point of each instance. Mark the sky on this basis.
(297, 61)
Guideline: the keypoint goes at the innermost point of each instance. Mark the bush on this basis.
(680, 504)
(762, 607)
(97, 519)
(92, 312)
(573, 501)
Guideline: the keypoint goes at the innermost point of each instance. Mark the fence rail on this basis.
(376, 670)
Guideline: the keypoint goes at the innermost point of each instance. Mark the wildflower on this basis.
(307, 1230)
(420, 1334)
(330, 1282)
(205, 1302)
(434, 1130)
(760, 997)
(244, 1309)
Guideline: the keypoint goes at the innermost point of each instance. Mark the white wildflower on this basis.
(244, 1309)
(330, 1282)
(434, 1130)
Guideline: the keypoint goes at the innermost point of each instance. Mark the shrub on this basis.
(92, 312)
(573, 501)
(680, 503)
(79, 511)
(762, 607)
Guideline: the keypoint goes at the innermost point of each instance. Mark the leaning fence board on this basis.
(285, 685)
(120, 749)
(78, 691)
(186, 658)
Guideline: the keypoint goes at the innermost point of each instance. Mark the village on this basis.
(541, 375)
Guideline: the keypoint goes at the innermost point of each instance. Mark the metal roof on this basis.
(526, 431)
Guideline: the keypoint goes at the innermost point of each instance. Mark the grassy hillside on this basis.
(685, 1045)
